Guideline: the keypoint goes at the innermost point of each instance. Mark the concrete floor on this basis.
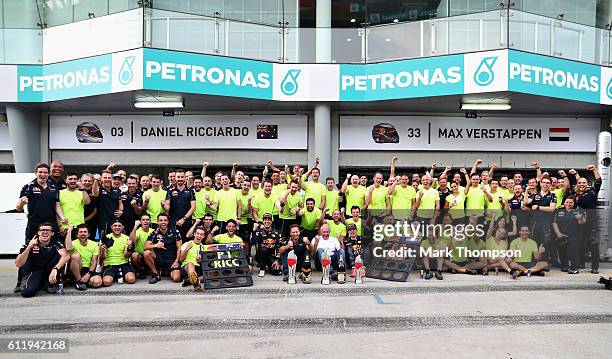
(557, 316)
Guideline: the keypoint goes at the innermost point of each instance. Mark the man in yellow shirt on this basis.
(476, 197)
(354, 193)
(355, 219)
(313, 188)
(265, 203)
(230, 207)
(83, 258)
(402, 197)
(427, 204)
(496, 206)
(336, 226)
(330, 199)
(190, 258)
(72, 202)
(154, 200)
(377, 197)
(114, 253)
(139, 235)
(311, 216)
(289, 205)
(230, 235)
(529, 259)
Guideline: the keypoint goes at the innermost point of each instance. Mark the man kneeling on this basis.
(114, 253)
(299, 246)
(324, 243)
(530, 259)
(83, 258)
(163, 251)
(190, 258)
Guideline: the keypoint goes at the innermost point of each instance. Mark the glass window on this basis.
(121, 5)
(462, 7)
(582, 12)
(20, 14)
(86, 9)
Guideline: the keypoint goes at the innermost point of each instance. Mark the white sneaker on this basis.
(261, 273)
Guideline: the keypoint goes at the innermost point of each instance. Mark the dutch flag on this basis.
(559, 134)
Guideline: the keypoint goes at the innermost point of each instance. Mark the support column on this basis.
(322, 111)
(24, 130)
(322, 140)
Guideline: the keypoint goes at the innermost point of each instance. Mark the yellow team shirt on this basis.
(228, 204)
(72, 206)
(427, 206)
(354, 196)
(154, 207)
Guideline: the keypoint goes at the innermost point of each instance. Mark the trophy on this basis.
(306, 269)
(341, 270)
(358, 270)
(325, 262)
(291, 262)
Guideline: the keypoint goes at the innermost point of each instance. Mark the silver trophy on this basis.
(291, 262)
(325, 262)
(358, 270)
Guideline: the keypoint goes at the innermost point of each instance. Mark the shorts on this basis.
(198, 270)
(527, 264)
(164, 263)
(113, 271)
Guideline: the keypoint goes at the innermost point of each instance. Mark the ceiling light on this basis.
(349, 40)
(486, 106)
(142, 103)
(353, 20)
(395, 20)
(387, 40)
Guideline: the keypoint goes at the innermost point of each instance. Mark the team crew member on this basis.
(139, 235)
(517, 206)
(310, 217)
(530, 260)
(91, 209)
(255, 190)
(163, 250)
(300, 247)
(230, 206)
(209, 226)
(355, 219)
(337, 228)
(83, 257)
(542, 204)
(354, 194)
(246, 203)
(154, 200)
(455, 201)
(313, 188)
(171, 181)
(326, 243)
(353, 247)
(435, 247)
(402, 197)
(566, 226)
(268, 241)
(499, 243)
(331, 196)
(377, 197)
(586, 198)
(145, 183)
(496, 206)
(190, 258)
(57, 175)
(132, 204)
(42, 259)
(443, 191)
(230, 235)
(114, 253)
(363, 181)
(427, 204)
(476, 198)
(40, 196)
(289, 205)
(265, 203)
(110, 206)
(71, 201)
(180, 204)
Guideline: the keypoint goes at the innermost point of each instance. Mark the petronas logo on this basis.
(289, 86)
(484, 75)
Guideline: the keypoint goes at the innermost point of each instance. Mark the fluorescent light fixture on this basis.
(353, 20)
(395, 20)
(486, 106)
(158, 104)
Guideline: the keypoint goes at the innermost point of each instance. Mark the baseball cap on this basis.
(267, 215)
(351, 226)
(116, 175)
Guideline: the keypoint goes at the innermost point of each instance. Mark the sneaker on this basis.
(154, 279)
(595, 271)
(193, 279)
(573, 271)
(540, 273)
(439, 275)
(186, 282)
(80, 286)
(261, 273)
(17, 288)
(286, 278)
(471, 272)
(428, 274)
(514, 274)
(353, 273)
(51, 290)
(485, 271)
(142, 275)
(566, 270)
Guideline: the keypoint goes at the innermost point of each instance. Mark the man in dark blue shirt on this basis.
(542, 204)
(132, 204)
(180, 204)
(110, 206)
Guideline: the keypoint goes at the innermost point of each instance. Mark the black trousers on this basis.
(36, 280)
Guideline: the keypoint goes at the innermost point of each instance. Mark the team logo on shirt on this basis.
(484, 75)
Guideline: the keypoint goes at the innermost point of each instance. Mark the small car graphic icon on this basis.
(385, 133)
(89, 132)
